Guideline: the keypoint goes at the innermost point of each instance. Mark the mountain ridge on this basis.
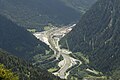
(39, 13)
(15, 39)
(97, 35)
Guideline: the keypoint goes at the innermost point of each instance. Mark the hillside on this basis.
(97, 35)
(38, 13)
(18, 41)
(24, 69)
(29, 13)
(79, 5)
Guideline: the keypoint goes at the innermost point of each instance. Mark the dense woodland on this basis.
(79, 5)
(95, 40)
(34, 14)
(21, 43)
(38, 13)
(97, 35)
(23, 69)
(18, 41)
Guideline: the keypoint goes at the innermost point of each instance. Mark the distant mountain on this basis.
(79, 5)
(24, 69)
(37, 13)
(17, 40)
(98, 35)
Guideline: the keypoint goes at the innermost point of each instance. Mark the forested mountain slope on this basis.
(17, 40)
(98, 35)
(24, 69)
(79, 5)
(36, 13)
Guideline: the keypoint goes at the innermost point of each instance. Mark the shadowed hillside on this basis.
(18, 41)
(98, 35)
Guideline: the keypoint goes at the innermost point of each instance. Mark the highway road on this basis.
(51, 38)
(65, 67)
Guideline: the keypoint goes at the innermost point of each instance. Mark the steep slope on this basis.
(37, 13)
(98, 35)
(79, 5)
(18, 41)
(24, 69)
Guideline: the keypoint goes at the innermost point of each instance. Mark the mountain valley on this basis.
(39, 13)
(60, 40)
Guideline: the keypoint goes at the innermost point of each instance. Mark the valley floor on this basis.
(52, 38)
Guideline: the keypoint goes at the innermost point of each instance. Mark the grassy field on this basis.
(52, 69)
